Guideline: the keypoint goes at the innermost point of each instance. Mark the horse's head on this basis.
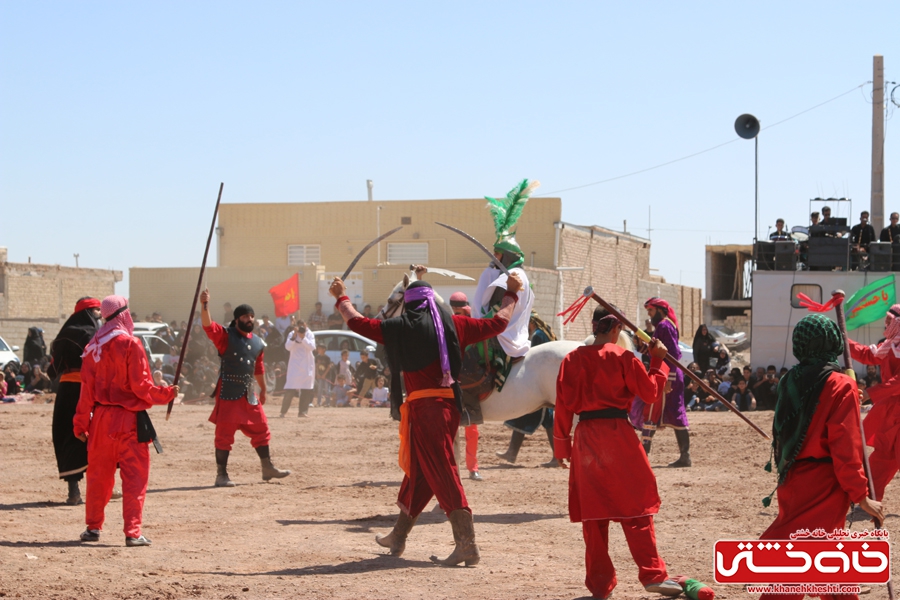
(395, 306)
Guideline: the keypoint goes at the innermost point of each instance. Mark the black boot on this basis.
(221, 469)
(553, 462)
(646, 445)
(515, 442)
(268, 469)
(683, 437)
(74, 493)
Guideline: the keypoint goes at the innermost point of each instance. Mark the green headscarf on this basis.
(817, 344)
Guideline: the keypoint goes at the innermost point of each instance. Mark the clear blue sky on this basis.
(120, 119)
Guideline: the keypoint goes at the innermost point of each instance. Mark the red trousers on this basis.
(432, 469)
(112, 440)
(257, 432)
(472, 447)
(884, 467)
(641, 538)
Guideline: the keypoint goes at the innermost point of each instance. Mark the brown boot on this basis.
(222, 479)
(268, 469)
(396, 539)
(464, 535)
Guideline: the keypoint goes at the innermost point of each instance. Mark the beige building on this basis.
(260, 245)
(33, 295)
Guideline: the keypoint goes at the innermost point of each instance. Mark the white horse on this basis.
(531, 383)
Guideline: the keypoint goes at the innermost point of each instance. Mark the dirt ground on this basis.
(311, 535)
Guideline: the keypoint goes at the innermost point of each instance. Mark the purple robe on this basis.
(673, 411)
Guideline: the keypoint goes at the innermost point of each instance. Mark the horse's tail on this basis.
(624, 341)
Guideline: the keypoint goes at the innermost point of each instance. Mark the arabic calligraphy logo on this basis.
(802, 561)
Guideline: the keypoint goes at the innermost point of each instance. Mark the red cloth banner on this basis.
(286, 296)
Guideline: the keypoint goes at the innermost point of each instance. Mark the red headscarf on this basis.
(660, 303)
(86, 303)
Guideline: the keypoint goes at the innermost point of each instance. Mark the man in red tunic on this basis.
(816, 440)
(425, 343)
(115, 386)
(237, 407)
(611, 478)
(882, 424)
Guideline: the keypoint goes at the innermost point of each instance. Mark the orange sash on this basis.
(72, 377)
(403, 456)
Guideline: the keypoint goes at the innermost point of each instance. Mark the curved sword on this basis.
(366, 249)
(494, 260)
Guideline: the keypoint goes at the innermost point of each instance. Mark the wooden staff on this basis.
(187, 333)
(589, 291)
(837, 297)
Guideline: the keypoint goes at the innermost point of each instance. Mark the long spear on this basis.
(187, 333)
(837, 301)
(671, 360)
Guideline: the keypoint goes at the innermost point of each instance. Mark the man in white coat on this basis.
(301, 371)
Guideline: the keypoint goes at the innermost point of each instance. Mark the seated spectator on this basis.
(9, 377)
(691, 394)
(872, 377)
(380, 394)
(317, 321)
(891, 233)
(779, 235)
(25, 375)
(723, 360)
(863, 234)
(866, 400)
(159, 378)
(743, 397)
(40, 381)
(342, 392)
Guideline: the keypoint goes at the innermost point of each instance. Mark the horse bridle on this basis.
(392, 304)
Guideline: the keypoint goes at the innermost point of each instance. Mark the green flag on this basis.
(871, 303)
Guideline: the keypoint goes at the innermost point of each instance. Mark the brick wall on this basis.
(33, 295)
(686, 301)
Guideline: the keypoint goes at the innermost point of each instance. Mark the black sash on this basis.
(606, 413)
(815, 459)
(145, 431)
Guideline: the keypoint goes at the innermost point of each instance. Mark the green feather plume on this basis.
(506, 211)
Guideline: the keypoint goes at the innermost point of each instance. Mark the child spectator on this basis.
(367, 370)
(743, 397)
(324, 374)
(40, 381)
(342, 392)
(380, 394)
(344, 367)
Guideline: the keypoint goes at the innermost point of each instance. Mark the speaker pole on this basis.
(756, 187)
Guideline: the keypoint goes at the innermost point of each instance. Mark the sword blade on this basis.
(494, 260)
(366, 249)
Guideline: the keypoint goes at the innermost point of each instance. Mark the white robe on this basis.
(515, 340)
(301, 370)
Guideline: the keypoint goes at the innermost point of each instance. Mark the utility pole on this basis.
(877, 207)
(76, 255)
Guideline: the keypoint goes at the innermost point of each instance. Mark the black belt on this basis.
(813, 459)
(606, 413)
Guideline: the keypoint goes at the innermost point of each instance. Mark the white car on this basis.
(154, 346)
(336, 340)
(151, 327)
(8, 353)
(727, 336)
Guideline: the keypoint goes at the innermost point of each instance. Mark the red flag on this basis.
(286, 296)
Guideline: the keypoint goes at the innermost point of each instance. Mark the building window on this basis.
(304, 255)
(406, 220)
(408, 254)
(813, 291)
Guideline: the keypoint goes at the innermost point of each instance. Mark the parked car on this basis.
(726, 335)
(8, 353)
(334, 339)
(148, 327)
(154, 346)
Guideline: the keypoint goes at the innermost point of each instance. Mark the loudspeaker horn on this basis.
(747, 126)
